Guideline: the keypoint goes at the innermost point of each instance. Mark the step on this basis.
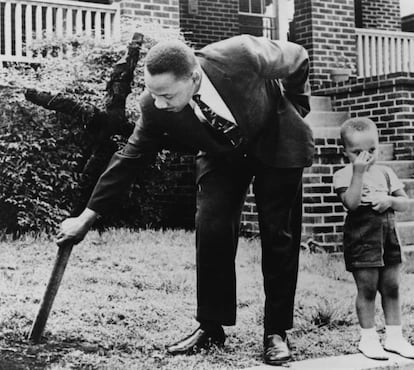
(346, 362)
(403, 169)
(408, 264)
(405, 231)
(408, 215)
(409, 187)
(320, 103)
(325, 132)
(326, 119)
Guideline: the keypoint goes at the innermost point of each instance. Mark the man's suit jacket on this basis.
(265, 85)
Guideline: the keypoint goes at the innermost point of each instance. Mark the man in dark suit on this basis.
(240, 104)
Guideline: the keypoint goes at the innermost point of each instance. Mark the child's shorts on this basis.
(370, 239)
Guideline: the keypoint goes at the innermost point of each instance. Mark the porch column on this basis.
(327, 30)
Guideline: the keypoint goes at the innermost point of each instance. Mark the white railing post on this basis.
(107, 25)
(98, 25)
(117, 23)
(398, 55)
(387, 55)
(88, 23)
(49, 21)
(393, 64)
(367, 65)
(18, 28)
(59, 22)
(69, 23)
(78, 20)
(380, 56)
(38, 21)
(411, 56)
(29, 31)
(373, 57)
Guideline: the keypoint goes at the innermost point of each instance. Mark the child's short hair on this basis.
(352, 125)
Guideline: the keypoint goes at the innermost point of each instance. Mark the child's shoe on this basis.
(396, 343)
(401, 347)
(371, 348)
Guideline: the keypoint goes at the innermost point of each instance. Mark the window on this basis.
(253, 6)
(258, 17)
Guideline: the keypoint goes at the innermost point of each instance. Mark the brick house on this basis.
(364, 37)
(361, 37)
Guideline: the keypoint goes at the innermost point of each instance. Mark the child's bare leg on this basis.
(389, 282)
(367, 285)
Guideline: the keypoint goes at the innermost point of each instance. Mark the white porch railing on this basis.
(22, 22)
(381, 52)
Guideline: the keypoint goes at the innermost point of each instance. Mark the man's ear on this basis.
(196, 76)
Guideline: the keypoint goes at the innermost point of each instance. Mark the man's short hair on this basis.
(171, 57)
(357, 124)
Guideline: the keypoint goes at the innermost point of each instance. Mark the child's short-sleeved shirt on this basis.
(374, 181)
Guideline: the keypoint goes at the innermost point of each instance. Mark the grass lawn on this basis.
(125, 295)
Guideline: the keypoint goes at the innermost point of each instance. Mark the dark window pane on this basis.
(244, 6)
(256, 6)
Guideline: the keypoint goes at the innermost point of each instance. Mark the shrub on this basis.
(38, 154)
(42, 153)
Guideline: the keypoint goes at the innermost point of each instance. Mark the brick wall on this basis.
(323, 213)
(327, 30)
(209, 21)
(179, 202)
(301, 27)
(165, 12)
(381, 14)
(249, 222)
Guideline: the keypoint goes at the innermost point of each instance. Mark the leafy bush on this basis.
(42, 152)
(38, 153)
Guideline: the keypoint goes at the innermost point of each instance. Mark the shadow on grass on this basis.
(18, 353)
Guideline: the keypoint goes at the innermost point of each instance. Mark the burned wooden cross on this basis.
(103, 123)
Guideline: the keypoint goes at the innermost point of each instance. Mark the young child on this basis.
(371, 193)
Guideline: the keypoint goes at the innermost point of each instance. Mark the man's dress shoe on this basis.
(276, 350)
(200, 339)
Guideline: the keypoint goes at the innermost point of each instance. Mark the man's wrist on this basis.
(88, 216)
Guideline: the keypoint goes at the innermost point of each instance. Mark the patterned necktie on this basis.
(221, 125)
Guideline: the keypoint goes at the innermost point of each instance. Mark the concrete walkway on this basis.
(346, 362)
